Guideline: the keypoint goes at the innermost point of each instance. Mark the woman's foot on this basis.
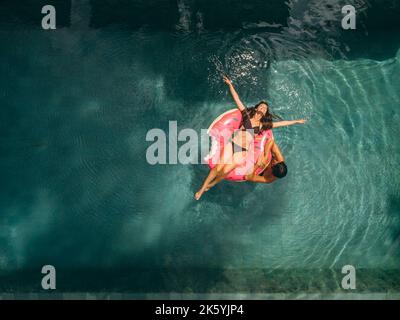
(198, 194)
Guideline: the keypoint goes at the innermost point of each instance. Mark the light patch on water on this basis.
(343, 212)
(23, 228)
(90, 108)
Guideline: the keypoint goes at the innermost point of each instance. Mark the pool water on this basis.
(77, 192)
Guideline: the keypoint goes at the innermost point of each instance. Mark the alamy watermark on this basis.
(49, 20)
(49, 280)
(165, 148)
(349, 20)
(188, 147)
(349, 280)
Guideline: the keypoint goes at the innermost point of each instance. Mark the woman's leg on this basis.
(236, 161)
(226, 157)
(221, 175)
(211, 176)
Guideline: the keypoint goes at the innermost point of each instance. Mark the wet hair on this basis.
(266, 120)
(279, 170)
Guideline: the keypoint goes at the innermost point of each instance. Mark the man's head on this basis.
(279, 170)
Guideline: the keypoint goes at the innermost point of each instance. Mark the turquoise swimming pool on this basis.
(77, 192)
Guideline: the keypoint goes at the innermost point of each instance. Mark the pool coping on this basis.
(200, 296)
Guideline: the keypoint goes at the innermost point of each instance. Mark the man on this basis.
(275, 169)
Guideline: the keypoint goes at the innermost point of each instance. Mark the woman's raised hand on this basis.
(227, 80)
(234, 94)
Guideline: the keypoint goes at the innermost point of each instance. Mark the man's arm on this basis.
(277, 157)
(277, 154)
(253, 177)
(260, 179)
(261, 162)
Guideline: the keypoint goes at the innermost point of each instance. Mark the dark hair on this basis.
(266, 120)
(279, 170)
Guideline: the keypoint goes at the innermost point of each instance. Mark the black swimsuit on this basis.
(237, 148)
(247, 126)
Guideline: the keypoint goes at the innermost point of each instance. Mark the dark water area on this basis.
(77, 191)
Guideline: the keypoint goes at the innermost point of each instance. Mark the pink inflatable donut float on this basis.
(221, 130)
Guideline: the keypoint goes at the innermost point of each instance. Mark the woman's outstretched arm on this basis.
(234, 94)
(287, 123)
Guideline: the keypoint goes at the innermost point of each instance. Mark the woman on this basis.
(255, 120)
